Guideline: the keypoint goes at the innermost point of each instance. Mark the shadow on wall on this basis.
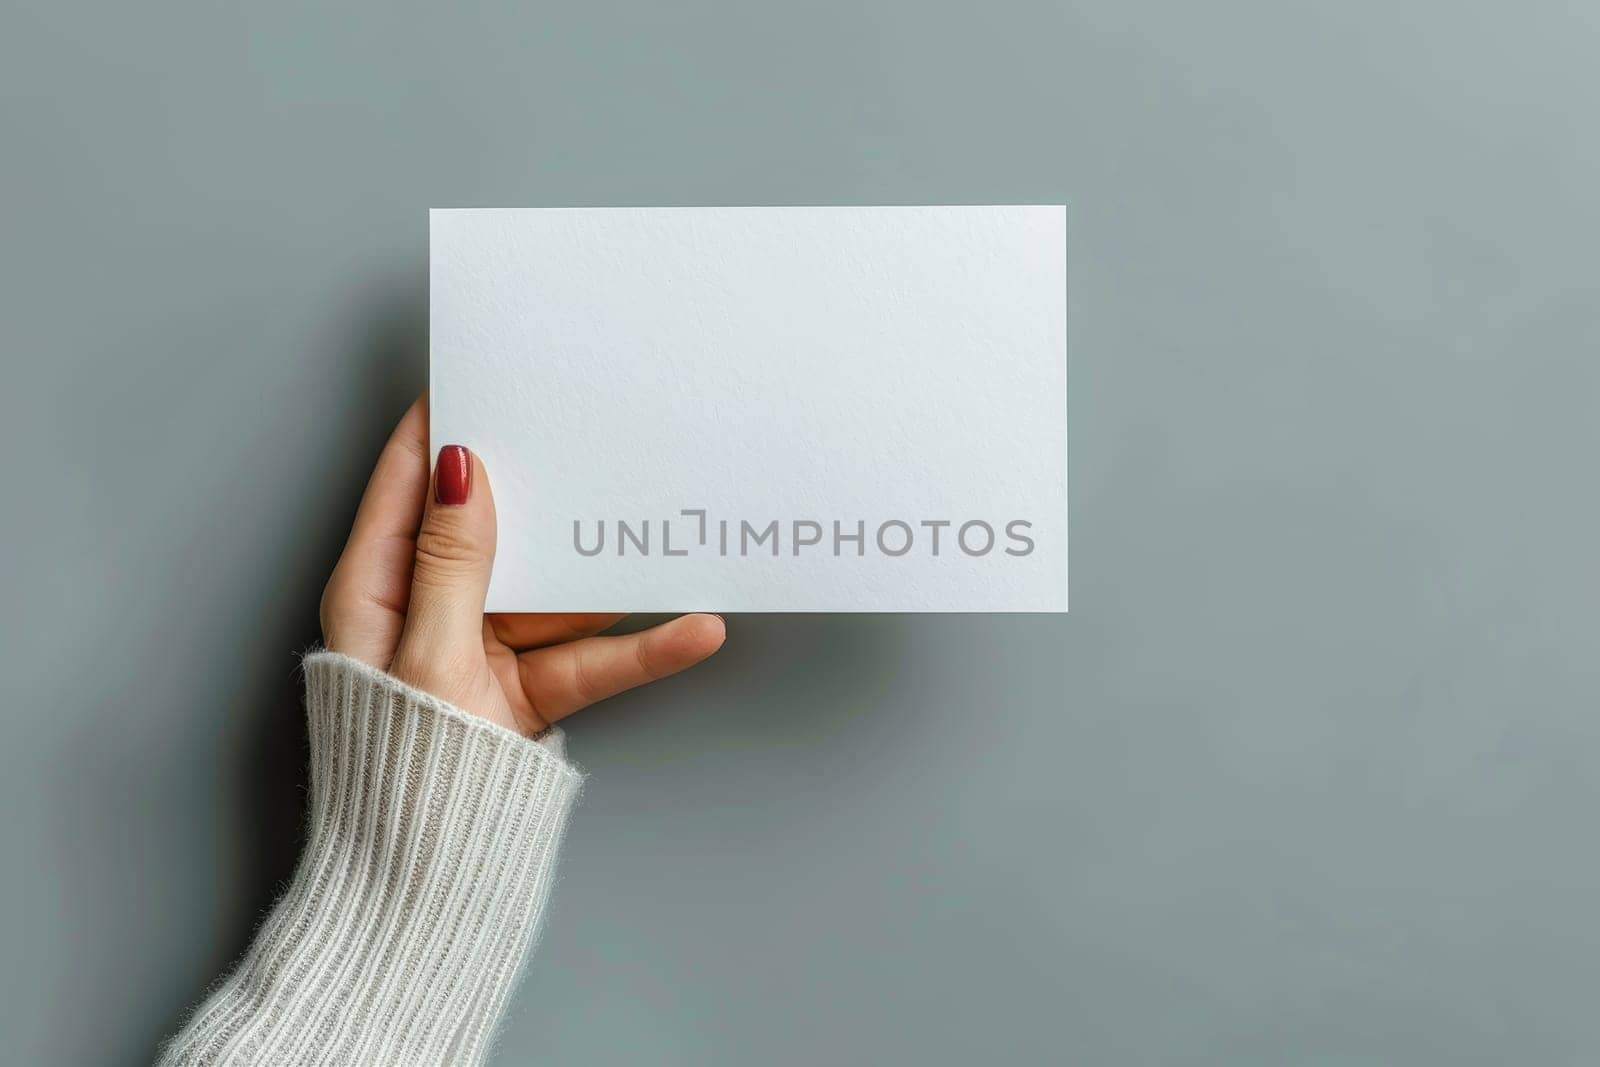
(815, 685)
(268, 768)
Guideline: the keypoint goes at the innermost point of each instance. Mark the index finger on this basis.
(391, 505)
(364, 604)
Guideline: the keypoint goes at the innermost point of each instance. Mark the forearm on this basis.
(433, 840)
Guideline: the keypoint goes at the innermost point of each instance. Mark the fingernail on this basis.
(452, 480)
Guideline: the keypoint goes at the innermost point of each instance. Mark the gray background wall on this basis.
(1308, 775)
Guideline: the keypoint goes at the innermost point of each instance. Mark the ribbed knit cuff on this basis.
(432, 846)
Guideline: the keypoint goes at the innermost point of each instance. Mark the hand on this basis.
(407, 597)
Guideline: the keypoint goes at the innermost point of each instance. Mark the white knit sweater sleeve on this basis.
(432, 843)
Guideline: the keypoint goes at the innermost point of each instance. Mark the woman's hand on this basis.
(407, 597)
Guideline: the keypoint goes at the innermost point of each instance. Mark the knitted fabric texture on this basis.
(431, 850)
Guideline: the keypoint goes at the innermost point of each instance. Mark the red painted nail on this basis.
(452, 480)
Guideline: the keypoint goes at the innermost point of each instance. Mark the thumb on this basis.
(455, 552)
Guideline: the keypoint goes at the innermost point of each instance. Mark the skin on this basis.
(407, 597)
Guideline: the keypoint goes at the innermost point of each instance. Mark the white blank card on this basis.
(760, 409)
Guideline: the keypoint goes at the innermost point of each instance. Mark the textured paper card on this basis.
(761, 409)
